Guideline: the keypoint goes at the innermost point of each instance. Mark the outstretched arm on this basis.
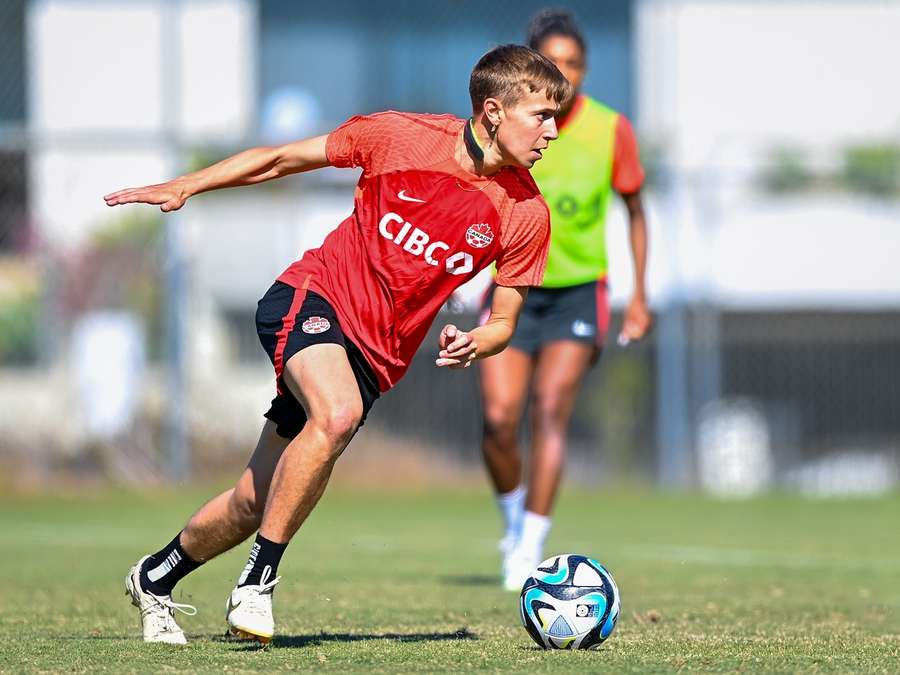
(637, 320)
(460, 348)
(255, 165)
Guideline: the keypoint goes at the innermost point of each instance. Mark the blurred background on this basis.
(770, 132)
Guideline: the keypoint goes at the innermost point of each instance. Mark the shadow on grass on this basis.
(299, 641)
(472, 580)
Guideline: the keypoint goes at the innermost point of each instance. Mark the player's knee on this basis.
(500, 423)
(549, 407)
(339, 424)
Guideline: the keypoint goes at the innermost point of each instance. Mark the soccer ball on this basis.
(569, 602)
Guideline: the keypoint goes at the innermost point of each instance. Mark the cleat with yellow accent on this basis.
(248, 611)
(243, 635)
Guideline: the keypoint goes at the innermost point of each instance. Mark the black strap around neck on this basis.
(471, 140)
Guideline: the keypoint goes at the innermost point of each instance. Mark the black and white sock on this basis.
(165, 568)
(263, 554)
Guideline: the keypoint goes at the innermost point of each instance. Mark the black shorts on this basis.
(579, 313)
(289, 320)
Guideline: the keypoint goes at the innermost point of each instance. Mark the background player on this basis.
(564, 323)
(439, 199)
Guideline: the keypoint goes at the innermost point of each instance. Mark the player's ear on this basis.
(493, 112)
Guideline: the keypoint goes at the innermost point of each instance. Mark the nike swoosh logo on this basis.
(407, 198)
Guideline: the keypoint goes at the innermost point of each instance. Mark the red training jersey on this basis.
(421, 227)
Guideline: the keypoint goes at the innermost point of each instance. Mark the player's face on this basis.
(567, 56)
(527, 128)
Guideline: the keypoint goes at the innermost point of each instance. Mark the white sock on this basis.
(512, 506)
(534, 531)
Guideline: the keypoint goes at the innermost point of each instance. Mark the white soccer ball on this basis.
(570, 601)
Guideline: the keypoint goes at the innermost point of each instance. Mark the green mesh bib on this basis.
(574, 176)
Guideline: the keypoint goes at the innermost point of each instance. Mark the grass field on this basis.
(407, 582)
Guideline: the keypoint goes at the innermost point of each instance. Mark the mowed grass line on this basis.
(408, 582)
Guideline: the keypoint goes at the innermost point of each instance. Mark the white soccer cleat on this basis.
(248, 611)
(517, 567)
(157, 611)
(507, 544)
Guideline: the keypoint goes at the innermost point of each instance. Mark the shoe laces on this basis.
(266, 586)
(260, 600)
(164, 607)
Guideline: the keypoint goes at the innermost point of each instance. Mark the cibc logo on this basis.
(417, 242)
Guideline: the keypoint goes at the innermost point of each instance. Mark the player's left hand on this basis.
(636, 323)
(169, 196)
(458, 349)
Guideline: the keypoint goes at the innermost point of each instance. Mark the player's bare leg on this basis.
(321, 378)
(218, 526)
(560, 369)
(229, 518)
(504, 389)
(558, 373)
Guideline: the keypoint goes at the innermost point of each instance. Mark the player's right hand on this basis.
(170, 196)
(448, 335)
(458, 349)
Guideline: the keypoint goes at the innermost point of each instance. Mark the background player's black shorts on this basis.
(290, 319)
(579, 313)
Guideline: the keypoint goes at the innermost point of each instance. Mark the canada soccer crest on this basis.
(479, 235)
(316, 324)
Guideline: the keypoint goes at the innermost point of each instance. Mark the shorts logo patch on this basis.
(583, 329)
(315, 325)
(479, 235)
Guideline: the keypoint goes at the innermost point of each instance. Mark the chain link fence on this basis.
(767, 396)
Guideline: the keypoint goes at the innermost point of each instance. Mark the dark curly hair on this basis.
(549, 22)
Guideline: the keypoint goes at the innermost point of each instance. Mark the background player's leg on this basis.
(561, 366)
(558, 374)
(504, 387)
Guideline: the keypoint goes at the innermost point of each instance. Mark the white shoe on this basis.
(517, 567)
(248, 611)
(157, 611)
(507, 544)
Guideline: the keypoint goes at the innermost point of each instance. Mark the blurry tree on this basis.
(873, 169)
(19, 313)
(121, 268)
(787, 171)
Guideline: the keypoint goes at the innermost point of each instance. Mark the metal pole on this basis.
(674, 432)
(673, 397)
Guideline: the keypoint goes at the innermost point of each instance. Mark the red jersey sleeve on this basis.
(353, 143)
(525, 241)
(627, 172)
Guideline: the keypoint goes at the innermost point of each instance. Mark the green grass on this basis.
(393, 582)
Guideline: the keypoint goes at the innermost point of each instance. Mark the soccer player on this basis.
(564, 323)
(439, 199)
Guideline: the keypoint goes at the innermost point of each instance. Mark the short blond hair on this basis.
(508, 71)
